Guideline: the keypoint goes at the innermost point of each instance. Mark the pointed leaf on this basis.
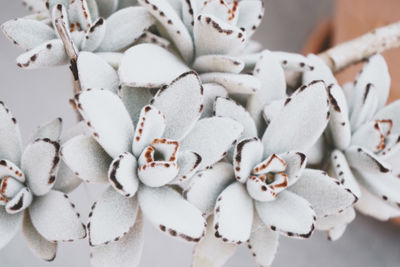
(172, 24)
(273, 86)
(206, 185)
(181, 102)
(326, 195)
(310, 104)
(124, 27)
(94, 35)
(216, 135)
(225, 107)
(108, 120)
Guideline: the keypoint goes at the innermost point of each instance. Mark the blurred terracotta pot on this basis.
(350, 20)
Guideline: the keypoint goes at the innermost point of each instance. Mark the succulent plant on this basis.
(211, 37)
(142, 165)
(267, 189)
(95, 26)
(29, 193)
(362, 141)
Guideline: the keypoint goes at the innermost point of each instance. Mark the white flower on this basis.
(267, 190)
(211, 37)
(363, 137)
(32, 192)
(141, 164)
(87, 30)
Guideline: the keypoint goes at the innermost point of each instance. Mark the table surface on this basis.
(40, 95)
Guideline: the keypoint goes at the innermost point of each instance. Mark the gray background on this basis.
(41, 95)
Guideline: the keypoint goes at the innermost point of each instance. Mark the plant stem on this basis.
(73, 56)
(348, 53)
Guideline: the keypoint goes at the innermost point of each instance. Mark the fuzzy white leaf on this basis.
(233, 214)
(214, 36)
(289, 214)
(113, 212)
(326, 195)
(218, 63)
(172, 24)
(343, 173)
(151, 125)
(375, 72)
(233, 83)
(273, 86)
(149, 65)
(213, 146)
(10, 137)
(43, 248)
(126, 252)
(108, 118)
(134, 99)
(51, 130)
(372, 205)
(55, 218)
(40, 162)
(49, 54)
(206, 185)
(293, 61)
(181, 102)
(87, 159)
(250, 15)
(94, 35)
(124, 27)
(96, 73)
(122, 174)
(210, 251)
(339, 124)
(27, 33)
(301, 121)
(225, 107)
(168, 211)
(9, 226)
(247, 154)
(263, 243)
(211, 92)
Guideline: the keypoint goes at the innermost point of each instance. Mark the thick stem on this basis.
(348, 53)
(64, 34)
